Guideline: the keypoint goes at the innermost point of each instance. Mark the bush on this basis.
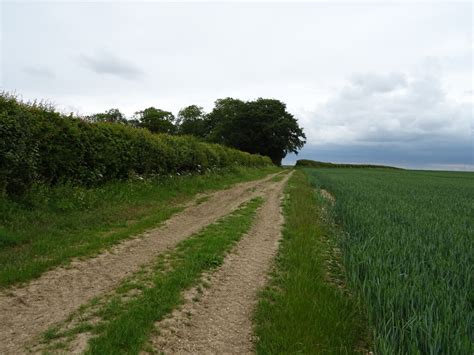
(39, 145)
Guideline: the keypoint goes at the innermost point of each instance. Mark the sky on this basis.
(374, 82)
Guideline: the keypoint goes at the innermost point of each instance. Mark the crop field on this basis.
(407, 240)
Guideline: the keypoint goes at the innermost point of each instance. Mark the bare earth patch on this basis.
(217, 315)
(328, 196)
(27, 311)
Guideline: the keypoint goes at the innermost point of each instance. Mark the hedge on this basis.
(321, 164)
(40, 145)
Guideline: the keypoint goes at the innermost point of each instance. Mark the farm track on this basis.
(221, 321)
(27, 311)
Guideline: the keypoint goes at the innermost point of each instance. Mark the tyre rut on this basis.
(221, 321)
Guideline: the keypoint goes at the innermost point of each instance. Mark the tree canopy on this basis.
(156, 120)
(193, 121)
(263, 126)
(112, 116)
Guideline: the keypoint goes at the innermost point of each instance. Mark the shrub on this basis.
(40, 145)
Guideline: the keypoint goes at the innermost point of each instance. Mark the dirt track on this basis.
(221, 322)
(26, 312)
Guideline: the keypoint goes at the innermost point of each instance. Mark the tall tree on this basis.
(193, 121)
(112, 116)
(263, 126)
(156, 120)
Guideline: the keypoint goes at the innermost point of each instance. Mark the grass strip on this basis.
(129, 324)
(304, 309)
(53, 225)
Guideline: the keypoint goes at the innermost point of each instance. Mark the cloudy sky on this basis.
(388, 83)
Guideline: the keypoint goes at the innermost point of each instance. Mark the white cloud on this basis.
(389, 109)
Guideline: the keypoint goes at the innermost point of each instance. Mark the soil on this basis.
(328, 196)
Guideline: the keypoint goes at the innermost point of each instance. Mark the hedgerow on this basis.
(40, 145)
(305, 163)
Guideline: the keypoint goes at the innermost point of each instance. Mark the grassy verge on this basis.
(123, 322)
(49, 227)
(305, 308)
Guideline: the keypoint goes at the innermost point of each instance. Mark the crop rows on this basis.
(408, 246)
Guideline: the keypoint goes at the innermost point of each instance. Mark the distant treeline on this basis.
(321, 164)
(40, 145)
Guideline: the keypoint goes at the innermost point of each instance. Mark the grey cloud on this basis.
(372, 83)
(110, 64)
(448, 154)
(417, 109)
(39, 72)
(409, 120)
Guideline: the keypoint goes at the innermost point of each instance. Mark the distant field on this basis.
(408, 247)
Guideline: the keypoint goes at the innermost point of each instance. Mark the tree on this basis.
(263, 126)
(156, 120)
(112, 116)
(193, 121)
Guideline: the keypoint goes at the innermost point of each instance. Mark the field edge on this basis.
(305, 307)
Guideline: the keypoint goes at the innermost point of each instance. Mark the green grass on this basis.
(51, 226)
(409, 254)
(303, 310)
(126, 322)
